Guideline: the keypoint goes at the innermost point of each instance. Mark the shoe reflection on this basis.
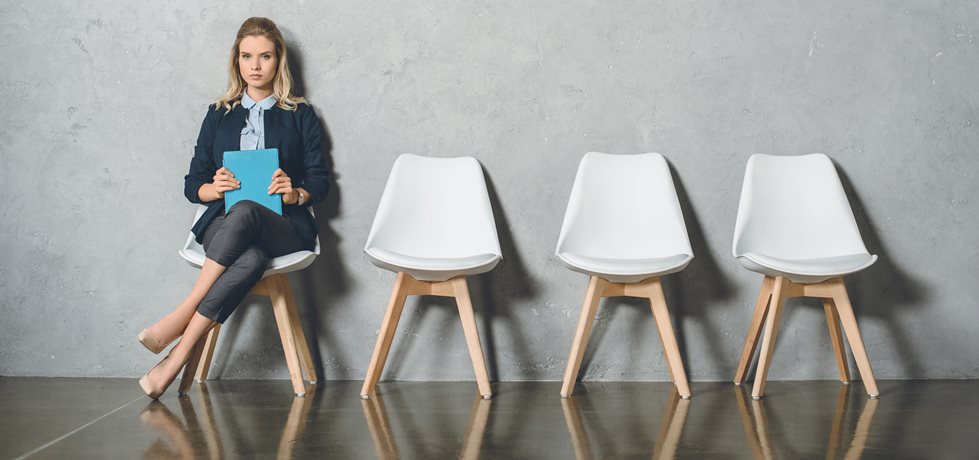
(670, 428)
(384, 442)
(754, 417)
(181, 443)
(194, 437)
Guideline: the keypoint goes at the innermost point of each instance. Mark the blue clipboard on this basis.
(254, 169)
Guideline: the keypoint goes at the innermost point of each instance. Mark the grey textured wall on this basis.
(102, 102)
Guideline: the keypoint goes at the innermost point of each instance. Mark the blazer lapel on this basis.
(232, 135)
(271, 120)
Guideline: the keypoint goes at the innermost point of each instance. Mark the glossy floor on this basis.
(109, 418)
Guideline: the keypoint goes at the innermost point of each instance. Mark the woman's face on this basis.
(257, 62)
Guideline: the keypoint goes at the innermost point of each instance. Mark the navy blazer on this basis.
(298, 136)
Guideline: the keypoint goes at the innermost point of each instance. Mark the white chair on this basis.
(433, 227)
(624, 228)
(795, 226)
(275, 285)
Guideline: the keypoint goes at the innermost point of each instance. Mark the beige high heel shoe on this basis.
(152, 343)
(151, 389)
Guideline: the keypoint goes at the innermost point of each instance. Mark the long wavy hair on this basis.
(281, 83)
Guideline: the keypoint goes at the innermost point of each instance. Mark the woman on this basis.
(258, 111)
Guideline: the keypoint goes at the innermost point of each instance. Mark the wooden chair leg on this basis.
(645, 290)
(380, 428)
(386, 335)
(305, 358)
(191, 368)
(836, 339)
(771, 332)
(585, 322)
(466, 314)
(210, 343)
(478, 417)
(849, 321)
(671, 351)
(277, 287)
(662, 344)
(754, 330)
(671, 427)
(576, 427)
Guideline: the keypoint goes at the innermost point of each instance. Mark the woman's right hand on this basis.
(224, 180)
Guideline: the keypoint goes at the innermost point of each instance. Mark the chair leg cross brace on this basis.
(650, 289)
(406, 285)
(838, 311)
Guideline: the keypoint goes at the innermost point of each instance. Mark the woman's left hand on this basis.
(282, 185)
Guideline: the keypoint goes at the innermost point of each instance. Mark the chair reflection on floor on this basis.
(192, 437)
(295, 424)
(377, 422)
(384, 442)
(195, 437)
(755, 422)
(670, 428)
(182, 444)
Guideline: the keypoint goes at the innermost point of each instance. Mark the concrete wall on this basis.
(102, 102)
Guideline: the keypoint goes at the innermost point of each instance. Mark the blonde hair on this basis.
(281, 83)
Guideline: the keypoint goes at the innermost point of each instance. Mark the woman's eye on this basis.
(266, 57)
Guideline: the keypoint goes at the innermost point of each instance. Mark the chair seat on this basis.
(625, 270)
(815, 270)
(283, 264)
(432, 268)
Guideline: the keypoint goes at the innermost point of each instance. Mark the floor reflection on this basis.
(194, 435)
(386, 446)
(178, 441)
(664, 446)
(60, 418)
(295, 423)
(754, 417)
(604, 423)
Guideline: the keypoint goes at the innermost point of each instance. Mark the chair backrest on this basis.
(794, 207)
(194, 254)
(435, 208)
(192, 251)
(624, 207)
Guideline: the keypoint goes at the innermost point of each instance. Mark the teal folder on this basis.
(254, 169)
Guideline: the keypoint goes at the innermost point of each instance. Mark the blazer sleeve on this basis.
(316, 173)
(202, 165)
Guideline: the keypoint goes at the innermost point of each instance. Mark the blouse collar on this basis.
(265, 104)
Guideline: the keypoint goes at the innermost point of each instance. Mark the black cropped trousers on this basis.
(243, 240)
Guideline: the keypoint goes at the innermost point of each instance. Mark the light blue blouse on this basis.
(253, 134)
